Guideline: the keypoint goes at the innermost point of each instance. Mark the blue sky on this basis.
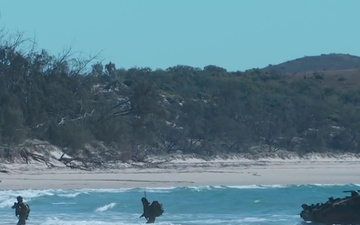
(233, 34)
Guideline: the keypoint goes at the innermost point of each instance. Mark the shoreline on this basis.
(185, 172)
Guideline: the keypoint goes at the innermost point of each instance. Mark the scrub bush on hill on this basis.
(139, 111)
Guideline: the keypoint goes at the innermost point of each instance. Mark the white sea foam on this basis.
(64, 203)
(90, 222)
(253, 219)
(199, 188)
(56, 221)
(255, 186)
(105, 207)
(106, 190)
(8, 197)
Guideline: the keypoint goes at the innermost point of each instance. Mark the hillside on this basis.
(321, 63)
(113, 114)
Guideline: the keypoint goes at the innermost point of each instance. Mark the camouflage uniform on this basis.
(21, 211)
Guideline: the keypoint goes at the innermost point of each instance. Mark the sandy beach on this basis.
(186, 172)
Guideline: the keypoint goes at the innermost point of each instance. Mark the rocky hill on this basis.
(321, 63)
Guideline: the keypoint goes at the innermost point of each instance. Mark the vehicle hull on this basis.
(335, 211)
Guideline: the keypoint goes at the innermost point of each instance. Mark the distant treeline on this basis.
(126, 113)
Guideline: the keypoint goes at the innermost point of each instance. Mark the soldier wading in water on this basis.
(22, 210)
(151, 211)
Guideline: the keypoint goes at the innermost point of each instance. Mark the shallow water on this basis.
(211, 205)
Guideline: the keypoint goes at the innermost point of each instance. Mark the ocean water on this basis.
(209, 205)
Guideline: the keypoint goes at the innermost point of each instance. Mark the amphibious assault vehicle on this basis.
(344, 210)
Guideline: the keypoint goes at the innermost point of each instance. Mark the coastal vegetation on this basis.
(102, 113)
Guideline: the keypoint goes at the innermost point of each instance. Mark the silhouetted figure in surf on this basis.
(151, 211)
(22, 210)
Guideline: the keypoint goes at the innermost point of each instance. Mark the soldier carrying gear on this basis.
(22, 210)
(151, 211)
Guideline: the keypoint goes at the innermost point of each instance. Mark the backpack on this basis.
(23, 208)
(27, 210)
(157, 208)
